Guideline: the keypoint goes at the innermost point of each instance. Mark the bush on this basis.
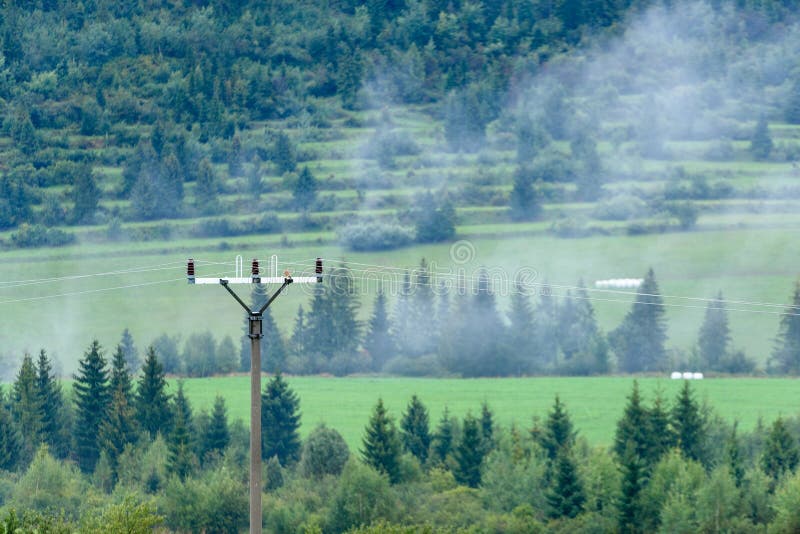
(37, 235)
(621, 207)
(324, 453)
(375, 235)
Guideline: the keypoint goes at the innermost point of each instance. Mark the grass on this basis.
(595, 404)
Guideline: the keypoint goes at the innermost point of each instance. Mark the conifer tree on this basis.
(283, 153)
(660, 431)
(92, 397)
(55, 427)
(235, 157)
(733, 453)
(761, 142)
(558, 432)
(634, 479)
(152, 401)
(520, 331)
(121, 380)
(305, 190)
(487, 428)
(280, 422)
(525, 199)
(566, 496)
(298, 340)
(786, 354)
(469, 454)
(381, 444)
(401, 315)
(546, 328)
(792, 109)
(442, 443)
(181, 460)
(639, 340)
(85, 196)
(715, 335)
(9, 438)
(118, 429)
(421, 335)
(379, 342)
(781, 453)
(129, 351)
(26, 407)
(415, 430)
(216, 434)
(633, 427)
(207, 188)
(689, 426)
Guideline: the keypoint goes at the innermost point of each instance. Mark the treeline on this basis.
(140, 457)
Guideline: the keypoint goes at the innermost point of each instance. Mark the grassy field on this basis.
(595, 404)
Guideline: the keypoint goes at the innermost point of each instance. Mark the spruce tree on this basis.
(280, 422)
(792, 109)
(415, 430)
(634, 479)
(284, 154)
(181, 460)
(26, 407)
(689, 425)
(152, 401)
(55, 430)
(118, 429)
(715, 335)
(546, 329)
(524, 199)
(305, 190)
(442, 443)
(401, 315)
(297, 342)
(381, 444)
(421, 336)
(121, 380)
(558, 432)
(639, 340)
(786, 354)
(661, 437)
(85, 196)
(469, 454)
(92, 397)
(520, 331)
(129, 351)
(633, 427)
(207, 188)
(379, 342)
(566, 496)
(487, 428)
(9, 438)
(781, 453)
(761, 142)
(733, 454)
(216, 435)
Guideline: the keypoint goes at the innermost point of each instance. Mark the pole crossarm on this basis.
(255, 334)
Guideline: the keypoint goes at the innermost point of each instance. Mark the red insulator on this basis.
(319, 266)
(254, 269)
(190, 267)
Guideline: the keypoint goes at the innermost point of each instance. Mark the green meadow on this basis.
(595, 404)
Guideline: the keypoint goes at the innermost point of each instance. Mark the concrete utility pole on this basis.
(255, 334)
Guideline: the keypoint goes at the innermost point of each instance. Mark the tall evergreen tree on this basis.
(786, 354)
(55, 425)
(792, 109)
(305, 190)
(280, 422)
(85, 196)
(381, 444)
(216, 435)
(284, 153)
(401, 315)
(26, 407)
(297, 343)
(634, 479)
(415, 430)
(733, 453)
(118, 429)
(639, 340)
(152, 401)
(469, 453)
(525, 199)
(379, 342)
(207, 188)
(181, 460)
(566, 496)
(92, 396)
(781, 454)
(422, 328)
(121, 380)
(558, 432)
(521, 336)
(761, 142)
(487, 428)
(633, 427)
(661, 437)
(9, 438)
(129, 351)
(546, 329)
(442, 442)
(715, 335)
(689, 425)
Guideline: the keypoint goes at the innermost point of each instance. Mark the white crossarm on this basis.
(262, 280)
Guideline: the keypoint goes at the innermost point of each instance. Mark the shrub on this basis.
(621, 207)
(324, 453)
(37, 235)
(375, 235)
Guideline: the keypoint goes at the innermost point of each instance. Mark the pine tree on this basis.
(487, 428)
(558, 432)
(298, 340)
(381, 444)
(129, 351)
(92, 397)
(9, 438)
(181, 460)
(305, 190)
(379, 342)
(421, 336)
(633, 427)
(152, 401)
(280, 422)
(415, 430)
(524, 199)
(639, 340)
(401, 315)
(634, 479)
(780, 451)
(283, 153)
(442, 443)
(216, 435)
(660, 432)
(118, 429)
(566, 496)
(761, 142)
(792, 109)
(786, 354)
(715, 335)
(26, 407)
(235, 157)
(521, 336)
(207, 188)
(85, 196)
(689, 425)
(545, 320)
(121, 380)
(531, 139)
(733, 454)
(469, 454)
(55, 430)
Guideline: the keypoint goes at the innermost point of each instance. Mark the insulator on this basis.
(254, 269)
(319, 266)
(190, 267)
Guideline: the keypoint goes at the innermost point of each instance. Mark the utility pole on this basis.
(255, 334)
